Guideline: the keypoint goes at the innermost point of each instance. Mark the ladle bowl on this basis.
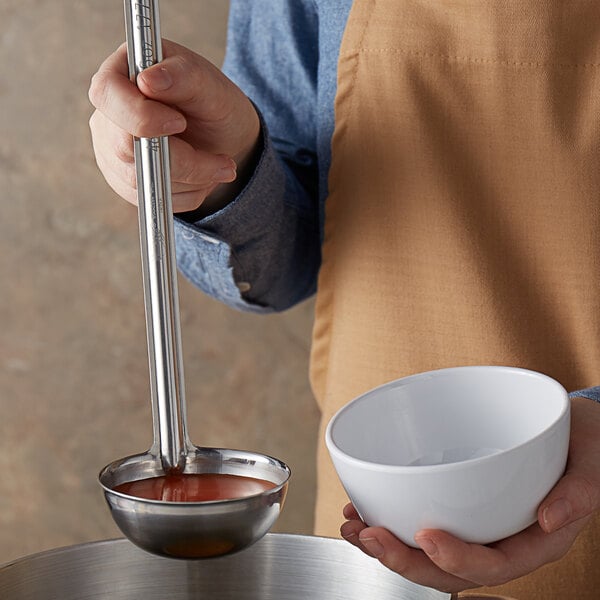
(196, 529)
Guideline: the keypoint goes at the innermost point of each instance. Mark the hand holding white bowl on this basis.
(451, 564)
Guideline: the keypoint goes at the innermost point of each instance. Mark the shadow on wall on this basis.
(73, 366)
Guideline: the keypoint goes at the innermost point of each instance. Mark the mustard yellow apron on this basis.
(463, 220)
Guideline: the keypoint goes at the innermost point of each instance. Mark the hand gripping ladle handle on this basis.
(171, 442)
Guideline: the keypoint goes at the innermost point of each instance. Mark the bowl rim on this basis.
(276, 489)
(337, 452)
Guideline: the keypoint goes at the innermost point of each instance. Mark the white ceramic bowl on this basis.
(470, 450)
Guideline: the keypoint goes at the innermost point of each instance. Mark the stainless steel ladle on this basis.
(176, 529)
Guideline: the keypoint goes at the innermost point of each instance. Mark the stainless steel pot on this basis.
(280, 566)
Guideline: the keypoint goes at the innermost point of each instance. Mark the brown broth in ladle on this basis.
(195, 487)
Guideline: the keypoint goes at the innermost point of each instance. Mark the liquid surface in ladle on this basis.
(195, 487)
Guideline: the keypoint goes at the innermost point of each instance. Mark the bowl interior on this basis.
(447, 416)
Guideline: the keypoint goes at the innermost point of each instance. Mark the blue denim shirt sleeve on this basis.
(261, 253)
(593, 393)
(258, 254)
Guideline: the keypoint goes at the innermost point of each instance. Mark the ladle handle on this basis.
(144, 49)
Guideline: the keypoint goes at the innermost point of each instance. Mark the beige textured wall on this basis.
(73, 366)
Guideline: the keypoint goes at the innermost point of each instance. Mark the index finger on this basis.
(120, 100)
(409, 562)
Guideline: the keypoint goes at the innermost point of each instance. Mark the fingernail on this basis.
(175, 126)
(427, 545)
(224, 175)
(557, 514)
(157, 79)
(373, 546)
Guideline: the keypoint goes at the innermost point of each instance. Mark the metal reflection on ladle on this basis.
(176, 529)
